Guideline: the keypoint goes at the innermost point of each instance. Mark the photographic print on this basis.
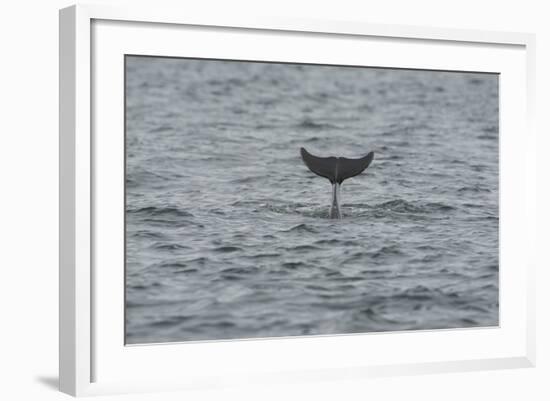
(268, 199)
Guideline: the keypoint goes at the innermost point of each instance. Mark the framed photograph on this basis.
(276, 200)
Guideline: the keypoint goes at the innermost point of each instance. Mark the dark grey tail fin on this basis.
(336, 169)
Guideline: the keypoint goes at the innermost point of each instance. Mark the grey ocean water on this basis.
(227, 232)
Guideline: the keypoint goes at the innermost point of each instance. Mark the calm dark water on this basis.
(227, 231)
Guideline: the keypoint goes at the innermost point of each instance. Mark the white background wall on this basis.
(29, 185)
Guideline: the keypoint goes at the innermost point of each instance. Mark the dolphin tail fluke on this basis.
(336, 169)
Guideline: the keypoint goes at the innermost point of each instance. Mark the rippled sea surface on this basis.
(227, 232)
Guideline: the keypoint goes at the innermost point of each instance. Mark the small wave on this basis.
(186, 271)
(181, 264)
(141, 176)
(474, 189)
(143, 286)
(469, 322)
(231, 277)
(149, 303)
(374, 271)
(265, 126)
(427, 258)
(475, 81)
(214, 82)
(472, 206)
(200, 260)
(427, 247)
(147, 234)
(245, 180)
(402, 206)
(487, 136)
(478, 167)
(385, 251)
(348, 279)
(399, 206)
(303, 248)
(313, 211)
(318, 96)
(268, 101)
(240, 270)
(357, 205)
(245, 203)
(171, 222)
(488, 286)
(217, 325)
(301, 228)
(316, 287)
(293, 265)
(170, 247)
(171, 265)
(423, 293)
(418, 293)
(390, 250)
(300, 141)
(227, 249)
(357, 256)
(170, 321)
(474, 308)
(378, 318)
(153, 211)
(493, 129)
(236, 81)
(238, 110)
(282, 207)
(335, 241)
(309, 124)
(440, 207)
(229, 81)
(264, 255)
(392, 157)
(162, 128)
(131, 183)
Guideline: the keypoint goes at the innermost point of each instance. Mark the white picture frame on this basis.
(88, 346)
